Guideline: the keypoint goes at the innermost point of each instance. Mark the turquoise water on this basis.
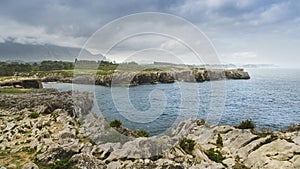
(270, 98)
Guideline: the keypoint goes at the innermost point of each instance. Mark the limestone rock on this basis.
(30, 165)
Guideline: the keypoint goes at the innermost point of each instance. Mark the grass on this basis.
(239, 165)
(152, 70)
(292, 128)
(267, 141)
(48, 124)
(28, 150)
(34, 115)
(2, 78)
(61, 164)
(115, 123)
(219, 141)
(247, 124)
(142, 133)
(187, 145)
(13, 91)
(214, 155)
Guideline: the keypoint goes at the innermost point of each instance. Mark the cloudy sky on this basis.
(242, 31)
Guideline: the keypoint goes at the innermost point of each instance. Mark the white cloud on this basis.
(244, 55)
(276, 12)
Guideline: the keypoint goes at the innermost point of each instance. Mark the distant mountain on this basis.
(11, 51)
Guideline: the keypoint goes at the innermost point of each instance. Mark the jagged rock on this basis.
(30, 165)
(10, 126)
(85, 161)
(12, 166)
(237, 74)
(276, 153)
(166, 77)
(138, 148)
(85, 142)
(23, 83)
(187, 76)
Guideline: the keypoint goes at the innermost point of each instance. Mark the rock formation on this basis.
(49, 129)
(131, 78)
(23, 83)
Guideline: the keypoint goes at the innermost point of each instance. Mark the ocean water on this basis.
(271, 98)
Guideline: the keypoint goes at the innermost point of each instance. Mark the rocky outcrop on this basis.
(54, 138)
(45, 101)
(237, 74)
(131, 78)
(23, 83)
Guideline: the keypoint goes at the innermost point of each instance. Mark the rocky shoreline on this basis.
(138, 78)
(49, 129)
(123, 78)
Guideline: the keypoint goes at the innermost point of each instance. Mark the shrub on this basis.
(214, 155)
(48, 124)
(292, 128)
(34, 115)
(187, 145)
(239, 165)
(142, 133)
(267, 141)
(115, 123)
(247, 124)
(219, 141)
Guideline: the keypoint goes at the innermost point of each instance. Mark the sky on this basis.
(241, 31)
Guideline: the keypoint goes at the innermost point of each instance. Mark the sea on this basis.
(271, 99)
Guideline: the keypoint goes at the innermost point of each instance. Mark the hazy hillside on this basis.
(10, 51)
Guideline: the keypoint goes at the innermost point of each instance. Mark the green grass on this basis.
(61, 164)
(34, 115)
(267, 141)
(187, 145)
(13, 91)
(214, 155)
(247, 124)
(152, 70)
(219, 141)
(115, 123)
(142, 133)
(2, 78)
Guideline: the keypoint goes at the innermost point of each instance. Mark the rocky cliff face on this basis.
(40, 134)
(23, 83)
(140, 78)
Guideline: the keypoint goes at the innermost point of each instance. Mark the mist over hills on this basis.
(12, 51)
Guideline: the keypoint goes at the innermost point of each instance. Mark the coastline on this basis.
(132, 78)
(59, 133)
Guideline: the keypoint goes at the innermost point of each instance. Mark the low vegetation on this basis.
(267, 141)
(142, 133)
(214, 155)
(34, 115)
(115, 123)
(219, 141)
(13, 91)
(239, 165)
(292, 128)
(60, 164)
(247, 124)
(187, 145)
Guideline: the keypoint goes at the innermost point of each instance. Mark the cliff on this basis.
(26, 83)
(44, 129)
(122, 78)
